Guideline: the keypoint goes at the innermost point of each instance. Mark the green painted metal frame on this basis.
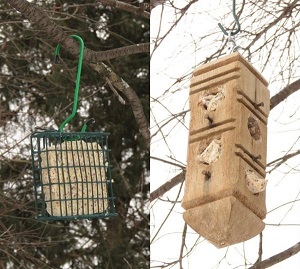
(42, 144)
(78, 186)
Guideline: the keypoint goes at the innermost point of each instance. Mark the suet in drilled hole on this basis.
(255, 183)
(211, 100)
(210, 153)
(254, 129)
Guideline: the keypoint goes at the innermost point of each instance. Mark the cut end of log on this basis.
(224, 222)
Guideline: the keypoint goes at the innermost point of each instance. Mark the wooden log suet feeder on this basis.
(225, 183)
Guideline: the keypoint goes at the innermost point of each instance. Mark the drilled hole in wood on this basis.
(207, 175)
(210, 119)
(254, 129)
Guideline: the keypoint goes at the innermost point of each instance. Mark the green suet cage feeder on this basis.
(71, 171)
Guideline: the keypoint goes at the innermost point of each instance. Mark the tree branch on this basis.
(139, 11)
(285, 12)
(182, 245)
(278, 257)
(168, 162)
(155, 3)
(131, 95)
(40, 18)
(36, 15)
(284, 93)
(167, 186)
(260, 249)
(276, 163)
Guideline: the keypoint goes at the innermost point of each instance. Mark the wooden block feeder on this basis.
(225, 180)
(71, 171)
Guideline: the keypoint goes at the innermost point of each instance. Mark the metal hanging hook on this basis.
(80, 60)
(86, 124)
(236, 20)
(232, 46)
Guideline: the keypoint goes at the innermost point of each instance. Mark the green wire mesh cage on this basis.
(72, 175)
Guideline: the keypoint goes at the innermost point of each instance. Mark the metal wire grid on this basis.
(72, 177)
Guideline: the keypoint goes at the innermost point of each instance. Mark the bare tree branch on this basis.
(284, 93)
(182, 245)
(167, 186)
(158, 41)
(277, 258)
(174, 203)
(285, 12)
(131, 95)
(260, 249)
(276, 163)
(168, 162)
(155, 3)
(36, 15)
(126, 7)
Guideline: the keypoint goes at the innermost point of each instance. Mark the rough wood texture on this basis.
(224, 221)
(229, 103)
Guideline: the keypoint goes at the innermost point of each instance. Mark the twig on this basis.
(182, 244)
(170, 211)
(282, 160)
(260, 249)
(127, 263)
(132, 97)
(126, 7)
(277, 258)
(121, 100)
(167, 186)
(168, 162)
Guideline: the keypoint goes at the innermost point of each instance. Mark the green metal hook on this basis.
(236, 20)
(80, 60)
(86, 124)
